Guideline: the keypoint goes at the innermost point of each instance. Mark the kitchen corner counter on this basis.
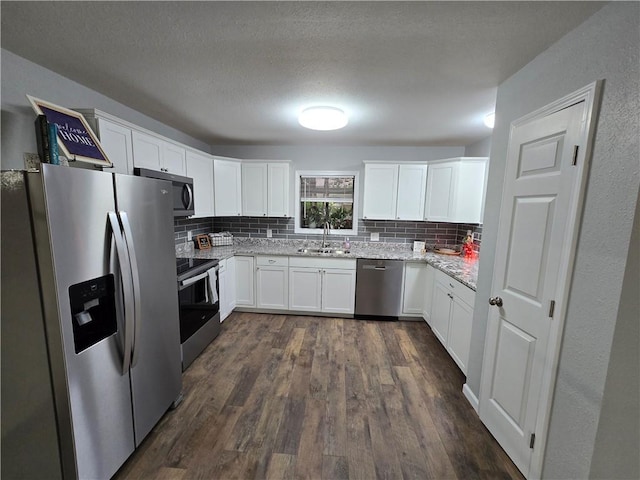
(463, 269)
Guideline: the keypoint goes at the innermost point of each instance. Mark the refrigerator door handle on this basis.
(124, 264)
(135, 276)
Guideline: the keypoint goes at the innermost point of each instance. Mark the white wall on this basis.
(605, 47)
(21, 77)
(478, 149)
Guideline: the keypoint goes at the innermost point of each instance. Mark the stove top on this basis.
(186, 265)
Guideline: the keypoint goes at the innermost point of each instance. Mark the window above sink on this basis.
(326, 196)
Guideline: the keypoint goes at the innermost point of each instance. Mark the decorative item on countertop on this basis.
(467, 244)
(202, 242)
(347, 244)
(221, 239)
(419, 247)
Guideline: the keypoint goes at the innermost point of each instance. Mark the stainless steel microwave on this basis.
(181, 191)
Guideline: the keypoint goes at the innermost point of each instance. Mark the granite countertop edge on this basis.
(465, 270)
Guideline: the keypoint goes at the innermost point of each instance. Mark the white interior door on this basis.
(535, 233)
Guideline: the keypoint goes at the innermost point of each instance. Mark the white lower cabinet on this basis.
(272, 282)
(451, 317)
(305, 289)
(429, 276)
(413, 288)
(227, 286)
(245, 291)
(322, 285)
(338, 290)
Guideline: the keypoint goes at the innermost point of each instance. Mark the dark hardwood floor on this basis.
(279, 396)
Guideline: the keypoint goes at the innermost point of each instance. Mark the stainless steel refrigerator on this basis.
(90, 333)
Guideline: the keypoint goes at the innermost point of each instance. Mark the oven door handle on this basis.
(188, 281)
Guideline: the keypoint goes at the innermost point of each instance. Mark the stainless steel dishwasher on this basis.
(379, 288)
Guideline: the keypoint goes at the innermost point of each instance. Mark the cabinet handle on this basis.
(495, 301)
(451, 286)
(264, 214)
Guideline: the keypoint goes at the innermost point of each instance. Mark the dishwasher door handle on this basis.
(372, 267)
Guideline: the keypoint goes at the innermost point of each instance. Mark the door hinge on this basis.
(532, 440)
(552, 307)
(575, 155)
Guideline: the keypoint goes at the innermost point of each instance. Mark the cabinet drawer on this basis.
(272, 261)
(316, 262)
(463, 292)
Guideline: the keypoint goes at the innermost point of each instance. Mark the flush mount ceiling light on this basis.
(323, 118)
(490, 120)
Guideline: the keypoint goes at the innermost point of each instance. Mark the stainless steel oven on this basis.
(199, 300)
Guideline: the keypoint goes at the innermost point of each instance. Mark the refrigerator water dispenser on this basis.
(93, 311)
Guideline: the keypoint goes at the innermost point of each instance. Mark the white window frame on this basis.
(333, 173)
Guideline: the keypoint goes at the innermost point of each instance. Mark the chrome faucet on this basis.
(325, 232)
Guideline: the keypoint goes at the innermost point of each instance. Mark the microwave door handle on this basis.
(126, 279)
(135, 276)
(188, 202)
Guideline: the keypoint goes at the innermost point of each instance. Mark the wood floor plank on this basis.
(288, 396)
(335, 468)
(309, 455)
(281, 467)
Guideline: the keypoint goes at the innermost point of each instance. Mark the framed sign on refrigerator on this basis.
(76, 140)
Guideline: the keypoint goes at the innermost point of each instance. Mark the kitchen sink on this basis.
(322, 250)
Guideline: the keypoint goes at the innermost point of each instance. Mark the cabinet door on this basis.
(231, 284)
(470, 191)
(278, 190)
(459, 341)
(440, 311)
(174, 159)
(254, 189)
(222, 287)
(272, 285)
(305, 289)
(227, 188)
(440, 192)
(412, 186)
(338, 291)
(429, 276)
(245, 281)
(380, 191)
(117, 143)
(147, 151)
(413, 294)
(200, 168)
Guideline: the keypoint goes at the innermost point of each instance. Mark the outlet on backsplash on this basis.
(189, 236)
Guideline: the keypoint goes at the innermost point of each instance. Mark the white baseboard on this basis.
(471, 397)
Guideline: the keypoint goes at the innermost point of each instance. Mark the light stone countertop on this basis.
(465, 270)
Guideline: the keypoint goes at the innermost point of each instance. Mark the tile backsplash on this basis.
(390, 231)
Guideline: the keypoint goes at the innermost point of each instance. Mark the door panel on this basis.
(514, 357)
(156, 378)
(99, 393)
(305, 289)
(540, 185)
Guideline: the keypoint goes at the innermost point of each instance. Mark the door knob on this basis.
(497, 301)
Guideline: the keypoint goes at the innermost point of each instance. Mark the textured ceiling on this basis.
(407, 73)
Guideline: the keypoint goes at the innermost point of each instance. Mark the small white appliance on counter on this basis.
(90, 334)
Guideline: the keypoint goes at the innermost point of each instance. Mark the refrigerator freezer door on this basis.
(71, 228)
(156, 371)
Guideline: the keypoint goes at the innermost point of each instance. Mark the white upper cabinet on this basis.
(200, 168)
(456, 190)
(116, 142)
(394, 191)
(227, 187)
(115, 138)
(278, 190)
(254, 189)
(265, 189)
(412, 185)
(156, 154)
